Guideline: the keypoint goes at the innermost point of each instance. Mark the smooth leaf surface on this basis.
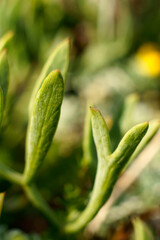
(129, 143)
(141, 230)
(1, 105)
(43, 122)
(102, 142)
(154, 126)
(120, 157)
(59, 59)
(5, 39)
(109, 166)
(4, 75)
(89, 151)
(101, 135)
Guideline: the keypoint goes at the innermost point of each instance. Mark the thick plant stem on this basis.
(38, 201)
(109, 168)
(31, 192)
(10, 174)
(95, 203)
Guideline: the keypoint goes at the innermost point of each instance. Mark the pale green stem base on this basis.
(10, 174)
(32, 193)
(100, 192)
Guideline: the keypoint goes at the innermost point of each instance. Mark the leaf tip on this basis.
(57, 71)
(3, 54)
(146, 124)
(4, 51)
(143, 127)
(67, 40)
(93, 109)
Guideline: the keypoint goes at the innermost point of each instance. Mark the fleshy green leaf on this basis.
(4, 39)
(101, 135)
(141, 230)
(128, 144)
(154, 126)
(1, 105)
(4, 78)
(59, 59)
(89, 151)
(4, 75)
(1, 201)
(109, 166)
(43, 122)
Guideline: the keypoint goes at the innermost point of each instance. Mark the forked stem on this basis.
(10, 175)
(110, 166)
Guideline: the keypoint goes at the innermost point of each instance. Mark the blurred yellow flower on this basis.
(148, 59)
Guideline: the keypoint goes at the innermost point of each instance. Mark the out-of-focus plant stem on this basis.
(10, 174)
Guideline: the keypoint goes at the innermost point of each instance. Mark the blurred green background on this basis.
(115, 56)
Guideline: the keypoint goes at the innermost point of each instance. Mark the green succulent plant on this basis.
(44, 114)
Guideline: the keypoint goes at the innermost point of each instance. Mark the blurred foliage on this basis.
(141, 231)
(115, 53)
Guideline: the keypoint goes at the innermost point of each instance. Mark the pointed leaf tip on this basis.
(4, 74)
(58, 59)
(141, 230)
(100, 134)
(5, 39)
(43, 122)
(129, 143)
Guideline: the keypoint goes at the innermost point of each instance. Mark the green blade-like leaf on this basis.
(4, 39)
(102, 142)
(59, 59)
(154, 126)
(89, 151)
(1, 105)
(129, 143)
(101, 135)
(141, 230)
(43, 122)
(109, 166)
(4, 75)
(1, 201)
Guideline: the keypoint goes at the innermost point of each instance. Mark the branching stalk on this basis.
(109, 166)
(10, 175)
